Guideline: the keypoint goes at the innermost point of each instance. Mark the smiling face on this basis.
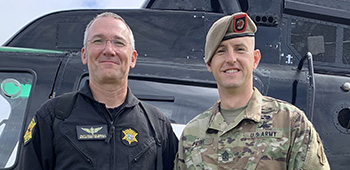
(108, 52)
(233, 63)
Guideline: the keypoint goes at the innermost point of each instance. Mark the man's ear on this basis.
(133, 59)
(257, 57)
(83, 56)
(209, 66)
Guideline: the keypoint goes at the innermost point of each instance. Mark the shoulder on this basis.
(195, 130)
(202, 118)
(157, 118)
(281, 107)
(273, 102)
(198, 124)
(47, 109)
(154, 111)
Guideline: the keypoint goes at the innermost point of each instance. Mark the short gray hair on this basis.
(116, 16)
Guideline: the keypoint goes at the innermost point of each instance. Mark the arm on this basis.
(315, 156)
(307, 151)
(179, 159)
(170, 148)
(37, 150)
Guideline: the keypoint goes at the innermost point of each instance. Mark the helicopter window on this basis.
(346, 46)
(14, 93)
(344, 118)
(180, 103)
(65, 38)
(244, 5)
(317, 38)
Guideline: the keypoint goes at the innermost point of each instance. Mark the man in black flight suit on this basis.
(107, 126)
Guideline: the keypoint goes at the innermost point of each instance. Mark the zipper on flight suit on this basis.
(111, 131)
(110, 121)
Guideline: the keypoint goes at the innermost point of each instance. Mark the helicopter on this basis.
(305, 47)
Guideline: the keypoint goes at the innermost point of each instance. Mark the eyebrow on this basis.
(116, 37)
(239, 44)
(221, 45)
(97, 36)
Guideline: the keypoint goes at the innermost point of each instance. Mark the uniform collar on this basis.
(252, 112)
(130, 100)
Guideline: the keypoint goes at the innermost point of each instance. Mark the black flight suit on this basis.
(93, 137)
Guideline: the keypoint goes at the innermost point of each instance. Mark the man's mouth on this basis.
(231, 71)
(109, 61)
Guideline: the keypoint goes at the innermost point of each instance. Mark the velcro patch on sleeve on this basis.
(29, 132)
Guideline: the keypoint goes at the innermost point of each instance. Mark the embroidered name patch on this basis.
(263, 134)
(92, 132)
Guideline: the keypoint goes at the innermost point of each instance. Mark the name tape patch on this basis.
(263, 134)
(92, 132)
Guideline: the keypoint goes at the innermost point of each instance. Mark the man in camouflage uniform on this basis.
(245, 130)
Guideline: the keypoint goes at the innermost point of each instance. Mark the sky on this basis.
(15, 14)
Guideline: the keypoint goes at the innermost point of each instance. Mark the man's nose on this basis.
(108, 46)
(231, 56)
(108, 43)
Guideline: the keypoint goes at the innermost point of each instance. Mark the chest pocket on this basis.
(245, 151)
(202, 153)
(144, 156)
(265, 150)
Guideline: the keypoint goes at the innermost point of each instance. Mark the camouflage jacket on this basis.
(268, 134)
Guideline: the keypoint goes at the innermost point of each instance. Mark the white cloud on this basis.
(15, 14)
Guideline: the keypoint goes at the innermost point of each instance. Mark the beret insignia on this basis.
(239, 22)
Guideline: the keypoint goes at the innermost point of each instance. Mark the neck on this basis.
(111, 95)
(235, 98)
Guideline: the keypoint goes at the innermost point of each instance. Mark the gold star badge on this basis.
(129, 135)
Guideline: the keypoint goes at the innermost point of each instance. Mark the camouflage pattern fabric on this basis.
(268, 134)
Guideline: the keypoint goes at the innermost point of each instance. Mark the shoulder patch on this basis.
(320, 151)
(28, 135)
(315, 156)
